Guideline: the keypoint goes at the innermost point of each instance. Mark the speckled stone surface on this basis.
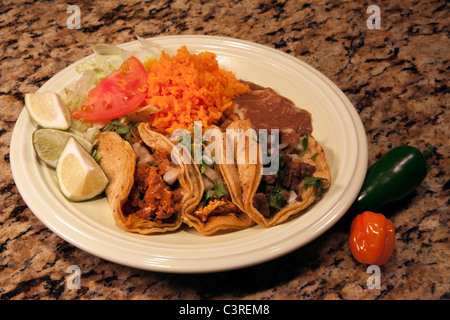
(396, 77)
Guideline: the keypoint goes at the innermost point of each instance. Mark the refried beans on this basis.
(266, 109)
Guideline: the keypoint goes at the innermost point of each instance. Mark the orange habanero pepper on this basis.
(372, 238)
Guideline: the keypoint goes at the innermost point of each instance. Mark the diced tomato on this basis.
(120, 93)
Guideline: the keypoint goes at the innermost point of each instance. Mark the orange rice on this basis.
(189, 87)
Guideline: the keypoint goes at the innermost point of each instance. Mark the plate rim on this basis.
(275, 252)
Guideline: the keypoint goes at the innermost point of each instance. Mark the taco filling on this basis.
(219, 205)
(301, 174)
(148, 191)
(155, 195)
(295, 174)
(216, 197)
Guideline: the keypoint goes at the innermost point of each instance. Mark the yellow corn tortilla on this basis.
(118, 161)
(250, 177)
(230, 211)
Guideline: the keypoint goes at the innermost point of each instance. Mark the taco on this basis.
(147, 190)
(221, 207)
(301, 178)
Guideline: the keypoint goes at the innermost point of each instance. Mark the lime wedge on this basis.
(79, 176)
(48, 110)
(48, 144)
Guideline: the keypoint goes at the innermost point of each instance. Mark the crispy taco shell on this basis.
(218, 214)
(250, 176)
(118, 161)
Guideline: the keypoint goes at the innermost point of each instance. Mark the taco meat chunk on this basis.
(275, 190)
(261, 204)
(151, 198)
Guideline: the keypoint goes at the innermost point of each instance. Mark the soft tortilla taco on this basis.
(221, 207)
(147, 190)
(302, 176)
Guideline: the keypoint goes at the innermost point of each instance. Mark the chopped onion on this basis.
(292, 197)
(171, 175)
(213, 175)
(298, 147)
(207, 183)
(142, 153)
(295, 157)
(136, 147)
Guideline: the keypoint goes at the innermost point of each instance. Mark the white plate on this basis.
(90, 225)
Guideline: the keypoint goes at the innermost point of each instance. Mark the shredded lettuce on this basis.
(107, 58)
(85, 130)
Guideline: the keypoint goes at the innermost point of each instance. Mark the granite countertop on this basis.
(395, 76)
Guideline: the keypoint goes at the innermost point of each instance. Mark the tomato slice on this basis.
(121, 92)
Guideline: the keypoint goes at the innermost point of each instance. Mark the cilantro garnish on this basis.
(219, 189)
(206, 162)
(316, 183)
(275, 200)
(304, 143)
(123, 130)
(218, 192)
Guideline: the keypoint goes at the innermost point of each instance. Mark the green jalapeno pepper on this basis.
(391, 178)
